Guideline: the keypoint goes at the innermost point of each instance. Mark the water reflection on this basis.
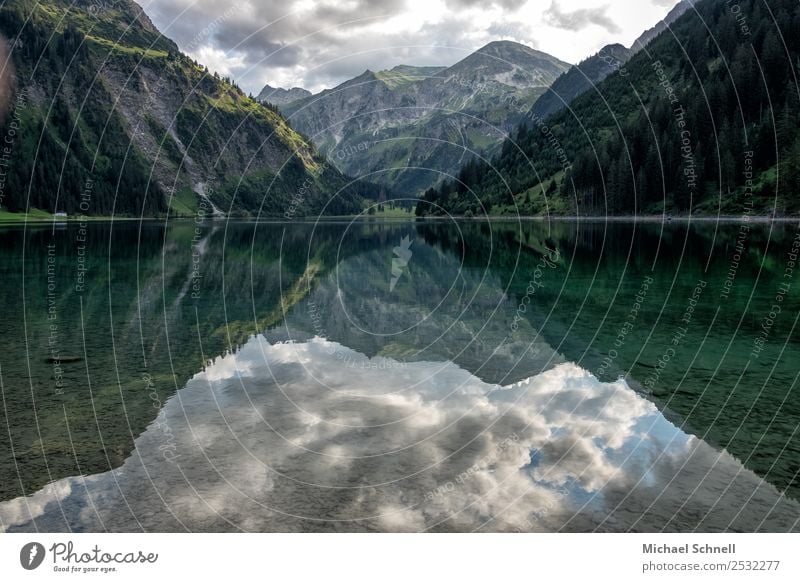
(314, 436)
(454, 384)
(438, 310)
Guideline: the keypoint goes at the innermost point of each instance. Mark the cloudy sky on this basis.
(320, 43)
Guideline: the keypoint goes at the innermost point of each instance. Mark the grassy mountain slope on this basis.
(112, 118)
(704, 121)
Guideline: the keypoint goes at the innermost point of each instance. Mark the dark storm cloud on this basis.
(260, 48)
(580, 19)
(335, 13)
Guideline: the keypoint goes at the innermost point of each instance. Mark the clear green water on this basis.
(184, 356)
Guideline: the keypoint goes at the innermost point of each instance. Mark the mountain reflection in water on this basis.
(398, 377)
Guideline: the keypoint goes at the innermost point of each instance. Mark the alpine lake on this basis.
(379, 375)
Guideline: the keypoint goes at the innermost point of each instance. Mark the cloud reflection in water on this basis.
(314, 436)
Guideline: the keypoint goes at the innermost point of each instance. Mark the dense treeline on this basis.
(293, 193)
(706, 119)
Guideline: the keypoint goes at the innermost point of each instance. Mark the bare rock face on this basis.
(409, 127)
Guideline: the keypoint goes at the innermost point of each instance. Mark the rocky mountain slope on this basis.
(409, 127)
(111, 118)
(278, 96)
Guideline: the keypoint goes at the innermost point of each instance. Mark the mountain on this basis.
(586, 74)
(705, 121)
(109, 117)
(580, 78)
(662, 25)
(278, 96)
(408, 127)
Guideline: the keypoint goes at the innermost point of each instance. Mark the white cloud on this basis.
(318, 44)
(578, 19)
(218, 60)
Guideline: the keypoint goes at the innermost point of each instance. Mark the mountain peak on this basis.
(510, 63)
(506, 47)
(503, 43)
(280, 96)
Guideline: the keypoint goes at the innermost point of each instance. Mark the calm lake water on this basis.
(379, 376)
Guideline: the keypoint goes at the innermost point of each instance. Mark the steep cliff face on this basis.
(409, 127)
(115, 119)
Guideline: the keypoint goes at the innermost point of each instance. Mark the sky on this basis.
(316, 44)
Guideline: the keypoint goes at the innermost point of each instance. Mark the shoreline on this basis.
(649, 218)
